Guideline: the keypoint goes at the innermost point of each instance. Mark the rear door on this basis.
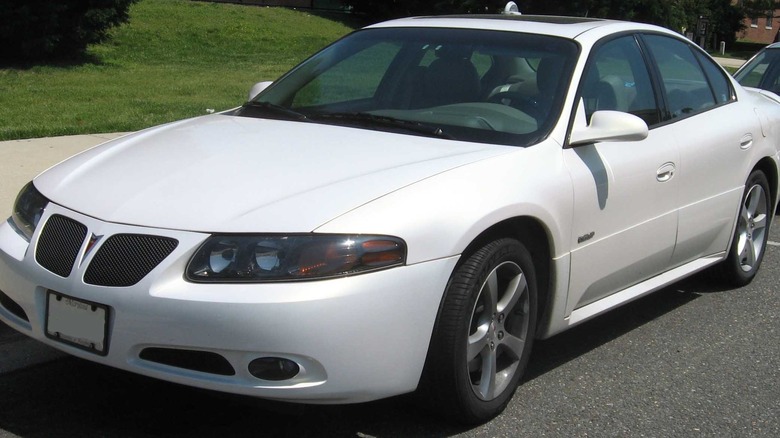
(714, 135)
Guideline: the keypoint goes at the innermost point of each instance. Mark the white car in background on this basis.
(407, 210)
(762, 71)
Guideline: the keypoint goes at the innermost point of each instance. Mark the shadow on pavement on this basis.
(72, 397)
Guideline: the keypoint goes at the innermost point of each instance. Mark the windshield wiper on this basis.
(373, 120)
(274, 109)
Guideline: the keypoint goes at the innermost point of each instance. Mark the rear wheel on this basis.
(750, 235)
(484, 332)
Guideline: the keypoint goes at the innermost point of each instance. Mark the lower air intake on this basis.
(203, 361)
(11, 306)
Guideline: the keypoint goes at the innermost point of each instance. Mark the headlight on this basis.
(28, 210)
(264, 258)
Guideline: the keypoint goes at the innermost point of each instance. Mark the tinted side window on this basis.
(687, 88)
(762, 72)
(617, 79)
(721, 86)
(752, 74)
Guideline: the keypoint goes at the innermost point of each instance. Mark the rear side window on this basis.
(687, 87)
(720, 84)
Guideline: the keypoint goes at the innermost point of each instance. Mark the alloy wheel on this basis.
(498, 331)
(752, 227)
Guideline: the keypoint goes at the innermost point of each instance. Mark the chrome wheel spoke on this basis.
(759, 223)
(748, 255)
(487, 379)
(754, 201)
(478, 342)
(744, 216)
(515, 289)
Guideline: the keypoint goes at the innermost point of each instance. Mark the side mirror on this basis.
(606, 126)
(258, 88)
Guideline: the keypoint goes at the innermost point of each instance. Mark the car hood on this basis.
(223, 173)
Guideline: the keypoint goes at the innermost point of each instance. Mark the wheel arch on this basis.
(769, 167)
(536, 237)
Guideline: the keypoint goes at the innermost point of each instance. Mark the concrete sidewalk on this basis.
(22, 160)
(730, 62)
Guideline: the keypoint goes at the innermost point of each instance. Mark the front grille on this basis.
(203, 361)
(126, 258)
(59, 244)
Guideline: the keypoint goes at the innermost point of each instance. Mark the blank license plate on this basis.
(80, 323)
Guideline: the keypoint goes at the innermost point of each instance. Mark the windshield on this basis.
(465, 84)
(763, 71)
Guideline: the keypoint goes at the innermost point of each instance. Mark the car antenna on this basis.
(511, 9)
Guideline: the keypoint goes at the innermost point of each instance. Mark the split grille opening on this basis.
(59, 244)
(124, 259)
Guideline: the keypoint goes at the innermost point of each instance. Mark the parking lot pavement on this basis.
(18, 351)
(20, 161)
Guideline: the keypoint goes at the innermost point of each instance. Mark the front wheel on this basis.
(483, 334)
(750, 235)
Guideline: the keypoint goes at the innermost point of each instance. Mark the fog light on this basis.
(273, 368)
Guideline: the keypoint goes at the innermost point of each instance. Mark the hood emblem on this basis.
(93, 240)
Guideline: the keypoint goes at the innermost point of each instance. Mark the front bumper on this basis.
(355, 339)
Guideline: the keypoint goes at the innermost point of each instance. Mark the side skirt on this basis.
(641, 289)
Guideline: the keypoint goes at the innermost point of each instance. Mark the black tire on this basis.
(750, 234)
(489, 327)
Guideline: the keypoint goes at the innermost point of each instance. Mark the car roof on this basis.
(567, 27)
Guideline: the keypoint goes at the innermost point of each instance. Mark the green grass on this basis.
(740, 50)
(174, 59)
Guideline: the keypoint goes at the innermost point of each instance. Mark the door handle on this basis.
(746, 141)
(665, 172)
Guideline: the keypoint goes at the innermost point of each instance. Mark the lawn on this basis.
(174, 59)
(741, 50)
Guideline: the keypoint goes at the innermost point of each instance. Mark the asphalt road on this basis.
(691, 360)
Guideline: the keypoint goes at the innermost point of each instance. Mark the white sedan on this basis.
(407, 210)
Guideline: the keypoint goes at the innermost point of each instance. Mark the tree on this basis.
(378, 10)
(763, 8)
(724, 18)
(56, 29)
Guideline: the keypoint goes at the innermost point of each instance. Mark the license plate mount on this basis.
(80, 323)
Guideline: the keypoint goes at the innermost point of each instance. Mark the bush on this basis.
(34, 30)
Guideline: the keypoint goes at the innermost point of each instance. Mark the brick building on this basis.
(762, 29)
